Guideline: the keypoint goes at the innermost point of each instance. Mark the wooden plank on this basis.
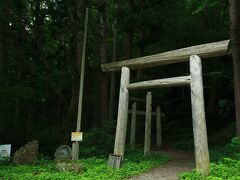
(147, 141)
(159, 127)
(114, 161)
(198, 114)
(176, 56)
(133, 126)
(142, 113)
(168, 82)
(121, 129)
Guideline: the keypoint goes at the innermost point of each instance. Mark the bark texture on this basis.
(235, 37)
(103, 57)
(112, 99)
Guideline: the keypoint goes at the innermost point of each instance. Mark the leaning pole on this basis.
(75, 144)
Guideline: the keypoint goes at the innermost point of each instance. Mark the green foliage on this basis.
(97, 142)
(223, 136)
(4, 161)
(235, 143)
(202, 5)
(226, 168)
(22, 92)
(94, 169)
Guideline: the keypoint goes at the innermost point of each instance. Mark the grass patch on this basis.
(95, 169)
(226, 164)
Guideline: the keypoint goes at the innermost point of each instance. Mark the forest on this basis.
(48, 57)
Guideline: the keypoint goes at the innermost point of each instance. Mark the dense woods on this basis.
(41, 44)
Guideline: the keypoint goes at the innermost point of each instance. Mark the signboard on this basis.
(5, 151)
(77, 136)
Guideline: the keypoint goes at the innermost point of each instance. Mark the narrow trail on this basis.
(180, 161)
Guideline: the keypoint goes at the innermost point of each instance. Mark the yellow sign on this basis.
(76, 136)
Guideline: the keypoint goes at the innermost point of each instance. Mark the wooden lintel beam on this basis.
(168, 82)
(180, 55)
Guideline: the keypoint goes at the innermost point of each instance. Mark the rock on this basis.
(63, 154)
(63, 160)
(27, 154)
(66, 166)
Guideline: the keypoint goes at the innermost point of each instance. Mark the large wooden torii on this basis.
(194, 54)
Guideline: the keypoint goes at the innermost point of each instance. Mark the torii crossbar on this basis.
(176, 56)
(194, 54)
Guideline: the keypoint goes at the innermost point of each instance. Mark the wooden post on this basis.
(121, 129)
(133, 126)
(198, 114)
(147, 142)
(75, 145)
(159, 127)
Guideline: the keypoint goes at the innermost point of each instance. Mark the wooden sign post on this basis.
(75, 144)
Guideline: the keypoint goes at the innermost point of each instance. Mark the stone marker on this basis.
(63, 154)
(27, 154)
(63, 160)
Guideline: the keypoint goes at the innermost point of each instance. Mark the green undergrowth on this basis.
(95, 168)
(225, 164)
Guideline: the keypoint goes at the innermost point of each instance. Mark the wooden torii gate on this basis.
(134, 112)
(194, 53)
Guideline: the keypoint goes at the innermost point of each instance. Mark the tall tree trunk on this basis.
(112, 99)
(39, 54)
(235, 37)
(97, 99)
(103, 57)
(2, 32)
(142, 45)
(1, 61)
(212, 109)
(129, 43)
(19, 57)
(100, 108)
(79, 42)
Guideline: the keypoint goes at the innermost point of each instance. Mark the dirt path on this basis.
(180, 161)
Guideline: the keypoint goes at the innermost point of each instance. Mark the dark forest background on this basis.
(40, 59)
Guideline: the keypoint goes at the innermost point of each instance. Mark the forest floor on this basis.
(180, 161)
